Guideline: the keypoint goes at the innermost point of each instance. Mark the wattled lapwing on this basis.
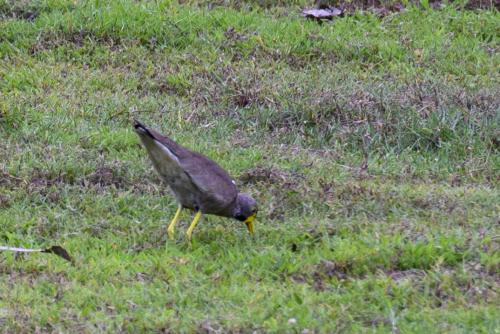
(198, 183)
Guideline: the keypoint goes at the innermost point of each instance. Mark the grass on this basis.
(292, 109)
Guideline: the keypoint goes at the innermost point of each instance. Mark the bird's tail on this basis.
(141, 129)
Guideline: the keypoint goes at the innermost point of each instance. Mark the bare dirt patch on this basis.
(77, 39)
(4, 202)
(285, 189)
(8, 181)
(16, 9)
(321, 274)
(108, 175)
(271, 175)
(404, 275)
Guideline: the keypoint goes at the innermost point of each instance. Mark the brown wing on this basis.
(214, 183)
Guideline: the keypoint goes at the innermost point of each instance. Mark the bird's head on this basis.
(245, 210)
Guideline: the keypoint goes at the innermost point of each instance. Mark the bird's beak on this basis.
(249, 222)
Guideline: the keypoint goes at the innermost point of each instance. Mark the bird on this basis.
(198, 183)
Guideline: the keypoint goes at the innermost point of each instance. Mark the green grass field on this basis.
(295, 111)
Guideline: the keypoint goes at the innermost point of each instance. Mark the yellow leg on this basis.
(193, 225)
(171, 227)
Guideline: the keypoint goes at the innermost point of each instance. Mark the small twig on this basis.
(363, 170)
(19, 250)
(57, 250)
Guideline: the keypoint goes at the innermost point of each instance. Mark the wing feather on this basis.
(217, 189)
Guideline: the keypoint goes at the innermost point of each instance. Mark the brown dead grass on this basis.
(385, 7)
(108, 175)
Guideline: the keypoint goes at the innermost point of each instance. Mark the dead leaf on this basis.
(321, 14)
(59, 251)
